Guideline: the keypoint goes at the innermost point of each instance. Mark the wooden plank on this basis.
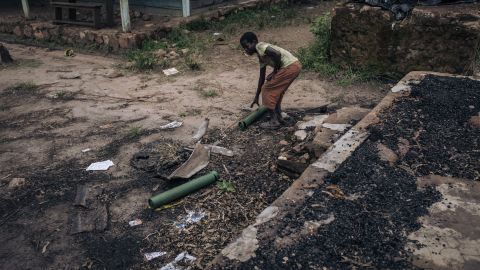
(26, 9)
(125, 13)
(76, 5)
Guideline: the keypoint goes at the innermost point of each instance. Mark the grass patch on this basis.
(24, 88)
(190, 112)
(209, 93)
(257, 19)
(226, 186)
(316, 57)
(135, 132)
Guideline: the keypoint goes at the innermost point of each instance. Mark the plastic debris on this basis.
(191, 218)
(219, 150)
(135, 222)
(100, 166)
(86, 150)
(182, 258)
(201, 130)
(198, 160)
(152, 255)
(172, 125)
(170, 71)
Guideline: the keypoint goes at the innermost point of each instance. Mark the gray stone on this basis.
(16, 183)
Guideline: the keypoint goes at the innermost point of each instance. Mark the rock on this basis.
(28, 31)
(219, 36)
(300, 135)
(18, 31)
(184, 52)
(283, 142)
(112, 74)
(5, 56)
(146, 17)
(16, 183)
(123, 41)
(298, 148)
(137, 14)
(323, 140)
(69, 76)
(172, 55)
(474, 121)
(314, 122)
(386, 154)
(291, 166)
(346, 115)
(403, 146)
(185, 31)
(160, 53)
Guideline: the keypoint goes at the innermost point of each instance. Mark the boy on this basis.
(286, 69)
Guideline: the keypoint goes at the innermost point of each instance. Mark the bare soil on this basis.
(43, 133)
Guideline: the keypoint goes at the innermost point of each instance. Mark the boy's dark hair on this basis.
(248, 37)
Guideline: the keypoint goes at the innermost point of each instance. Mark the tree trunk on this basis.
(5, 55)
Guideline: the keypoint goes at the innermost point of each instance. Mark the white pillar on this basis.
(125, 14)
(186, 8)
(26, 9)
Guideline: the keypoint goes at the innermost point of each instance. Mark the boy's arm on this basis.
(276, 57)
(261, 80)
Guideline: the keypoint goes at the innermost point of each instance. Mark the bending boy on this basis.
(286, 69)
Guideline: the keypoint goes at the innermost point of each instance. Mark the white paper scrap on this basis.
(172, 125)
(135, 222)
(100, 166)
(153, 255)
(170, 71)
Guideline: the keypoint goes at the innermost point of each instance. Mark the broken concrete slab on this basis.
(346, 115)
(300, 135)
(316, 121)
(292, 166)
(336, 127)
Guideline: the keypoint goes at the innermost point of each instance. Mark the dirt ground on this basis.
(43, 133)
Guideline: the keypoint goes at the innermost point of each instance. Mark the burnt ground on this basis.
(252, 171)
(368, 207)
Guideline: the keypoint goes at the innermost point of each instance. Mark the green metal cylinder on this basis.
(182, 190)
(252, 117)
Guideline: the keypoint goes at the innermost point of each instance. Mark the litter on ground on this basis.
(170, 71)
(172, 125)
(100, 166)
(152, 255)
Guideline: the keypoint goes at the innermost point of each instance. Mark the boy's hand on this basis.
(255, 101)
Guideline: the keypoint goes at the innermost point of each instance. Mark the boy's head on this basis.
(248, 41)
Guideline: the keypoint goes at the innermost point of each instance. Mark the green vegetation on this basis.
(258, 18)
(135, 132)
(209, 93)
(226, 186)
(24, 88)
(316, 57)
(190, 112)
(191, 37)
